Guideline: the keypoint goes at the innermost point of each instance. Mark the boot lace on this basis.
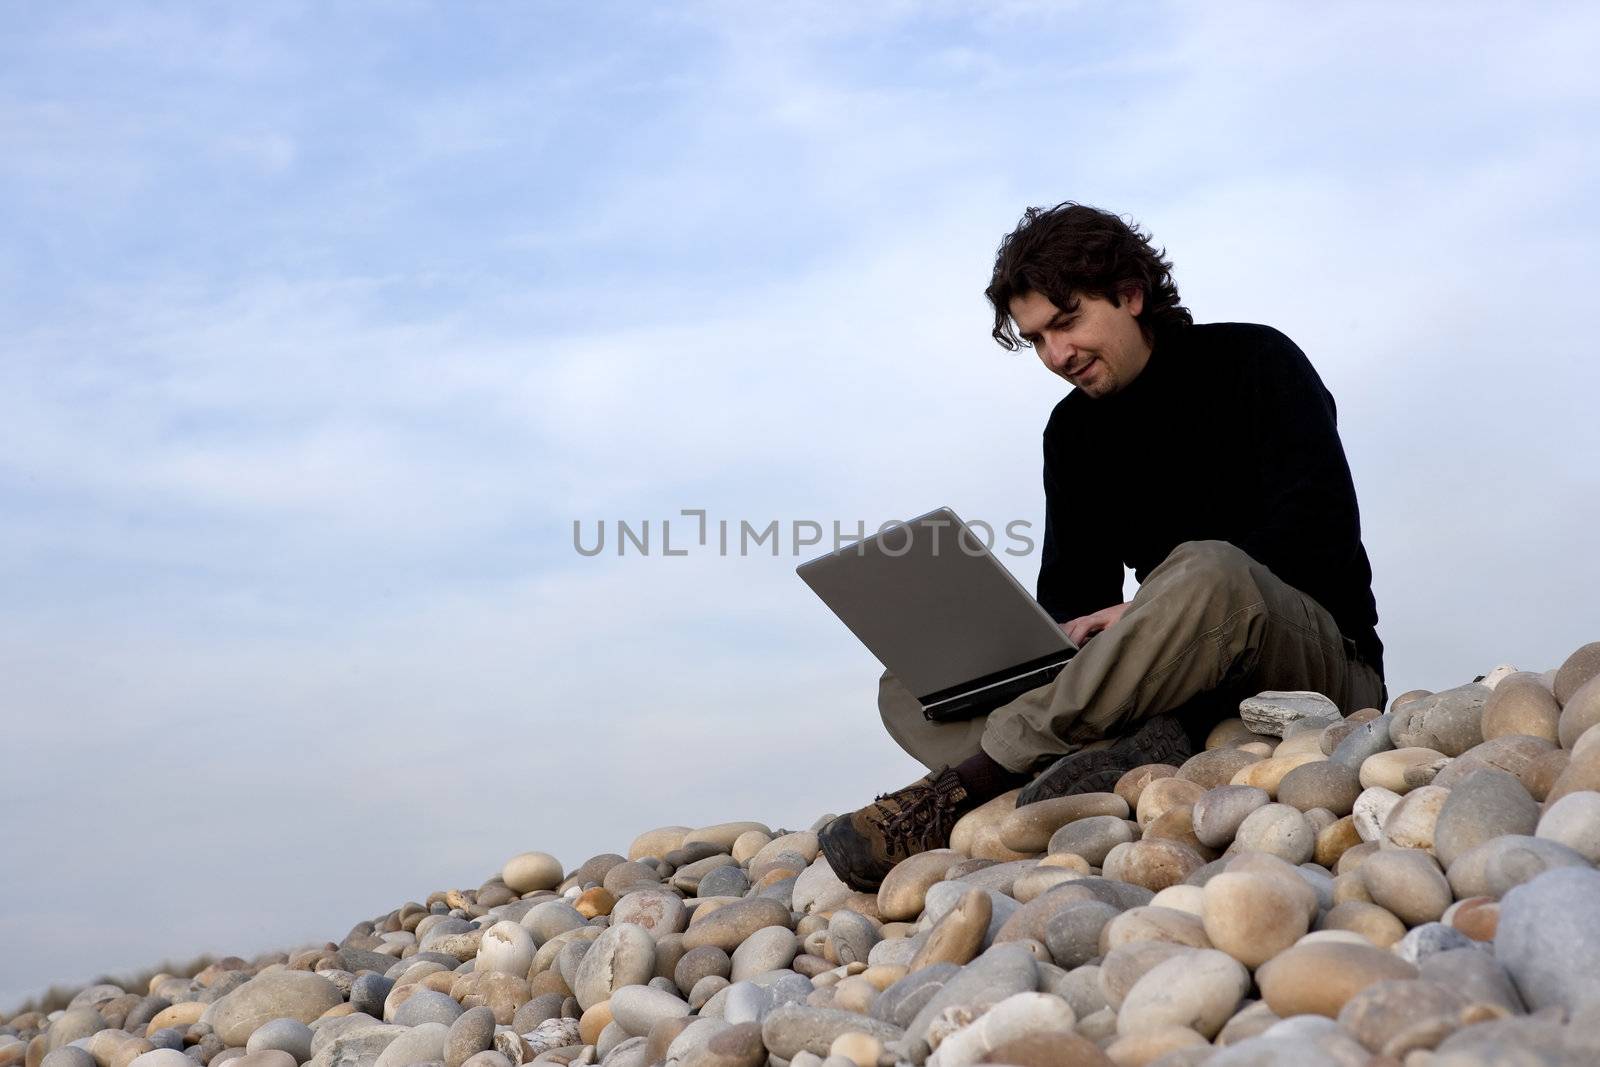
(920, 816)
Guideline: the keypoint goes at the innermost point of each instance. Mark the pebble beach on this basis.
(1411, 886)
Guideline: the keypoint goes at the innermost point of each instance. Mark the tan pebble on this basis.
(1152, 864)
(530, 871)
(1164, 793)
(1477, 917)
(1139, 1050)
(1579, 712)
(1306, 744)
(1286, 873)
(1123, 967)
(1258, 748)
(1376, 924)
(1576, 671)
(1387, 770)
(905, 888)
(1319, 979)
(988, 814)
(1345, 937)
(1215, 766)
(854, 993)
(747, 844)
(1411, 822)
(1408, 883)
(1029, 828)
(957, 937)
(1152, 923)
(1041, 880)
(1180, 898)
(658, 842)
(1132, 784)
(1407, 697)
(1252, 1018)
(338, 1011)
(1352, 857)
(1070, 861)
(1251, 916)
(593, 902)
(1177, 824)
(861, 1049)
(884, 975)
(1321, 784)
(594, 1020)
(1398, 1017)
(1350, 886)
(1334, 841)
(1216, 815)
(1521, 706)
(723, 834)
(1279, 830)
(1269, 772)
(1230, 732)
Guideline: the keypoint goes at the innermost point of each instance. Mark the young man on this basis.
(1207, 459)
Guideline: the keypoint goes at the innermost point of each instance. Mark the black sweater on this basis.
(1227, 434)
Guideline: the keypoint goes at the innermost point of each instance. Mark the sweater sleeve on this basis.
(1308, 521)
(1079, 571)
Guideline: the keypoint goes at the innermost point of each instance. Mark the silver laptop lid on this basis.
(937, 609)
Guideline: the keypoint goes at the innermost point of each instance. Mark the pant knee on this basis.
(1217, 567)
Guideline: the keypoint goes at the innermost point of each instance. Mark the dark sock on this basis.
(985, 779)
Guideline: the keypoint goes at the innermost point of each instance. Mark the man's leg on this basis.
(933, 744)
(1209, 621)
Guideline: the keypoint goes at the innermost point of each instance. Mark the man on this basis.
(1204, 457)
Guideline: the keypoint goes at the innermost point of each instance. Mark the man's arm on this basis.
(1308, 524)
(1079, 572)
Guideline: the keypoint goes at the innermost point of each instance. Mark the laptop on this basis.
(942, 614)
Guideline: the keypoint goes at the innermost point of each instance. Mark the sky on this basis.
(321, 327)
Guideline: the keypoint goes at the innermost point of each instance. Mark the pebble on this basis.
(1199, 990)
(1216, 766)
(622, 955)
(1413, 821)
(1318, 979)
(1370, 810)
(1487, 804)
(769, 949)
(1252, 916)
(1521, 706)
(959, 935)
(1430, 939)
(530, 872)
(905, 887)
(1320, 784)
(1015, 1017)
(1495, 866)
(794, 1028)
(470, 1034)
(1153, 864)
(284, 1035)
(729, 925)
(1548, 939)
(1362, 742)
(1280, 830)
(636, 1008)
(1272, 712)
(1131, 786)
(1448, 721)
(1072, 934)
(1029, 828)
(298, 995)
(1408, 884)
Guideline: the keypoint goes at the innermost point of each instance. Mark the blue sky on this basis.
(322, 325)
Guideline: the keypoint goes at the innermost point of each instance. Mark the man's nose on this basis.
(1057, 354)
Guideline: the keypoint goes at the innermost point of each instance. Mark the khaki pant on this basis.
(1209, 627)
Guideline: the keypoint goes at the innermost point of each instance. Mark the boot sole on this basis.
(1160, 739)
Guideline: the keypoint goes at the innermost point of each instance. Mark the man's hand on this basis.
(1081, 629)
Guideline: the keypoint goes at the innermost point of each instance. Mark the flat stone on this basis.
(1271, 712)
(298, 995)
(723, 834)
(1319, 979)
(1091, 838)
(657, 843)
(729, 925)
(1200, 991)
(795, 1028)
(1449, 721)
(1029, 828)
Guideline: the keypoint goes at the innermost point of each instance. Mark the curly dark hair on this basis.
(1074, 248)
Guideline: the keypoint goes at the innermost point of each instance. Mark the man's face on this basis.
(1092, 343)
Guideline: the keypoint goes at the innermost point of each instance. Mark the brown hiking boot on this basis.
(1159, 739)
(864, 846)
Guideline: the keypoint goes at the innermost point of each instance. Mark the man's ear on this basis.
(1133, 296)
